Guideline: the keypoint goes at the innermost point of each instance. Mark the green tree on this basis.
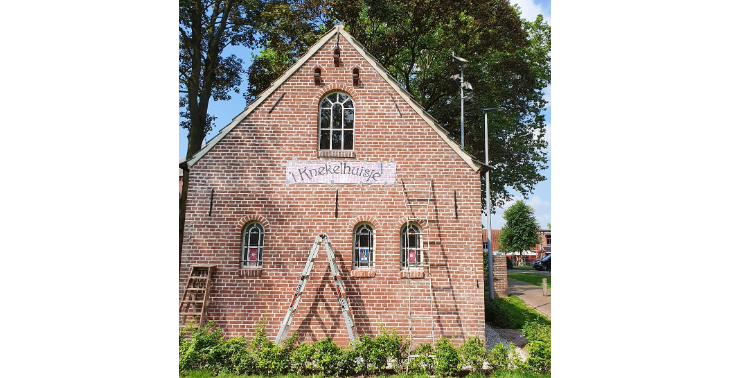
(509, 65)
(206, 27)
(521, 229)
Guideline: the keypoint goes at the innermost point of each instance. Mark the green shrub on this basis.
(391, 349)
(327, 356)
(538, 347)
(367, 353)
(302, 359)
(472, 355)
(242, 362)
(503, 358)
(203, 350)
(424, 361)
(497, 314)
(447, 358)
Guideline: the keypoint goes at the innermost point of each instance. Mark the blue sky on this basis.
(225, 111)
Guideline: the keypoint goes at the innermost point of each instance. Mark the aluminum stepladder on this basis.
(340, 290)
(415, 200)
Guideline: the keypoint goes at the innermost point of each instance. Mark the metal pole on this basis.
(490, 274)
(461, 94)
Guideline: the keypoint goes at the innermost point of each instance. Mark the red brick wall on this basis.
(246, 169)
(499, 274)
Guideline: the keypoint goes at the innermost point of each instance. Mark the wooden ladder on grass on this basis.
(195, 298)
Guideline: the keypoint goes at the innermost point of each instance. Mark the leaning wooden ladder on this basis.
(415, 202)
(286, 323)
(195, 298)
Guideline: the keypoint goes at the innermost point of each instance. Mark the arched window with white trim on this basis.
(336, 122)
(252, 245)
(363, 252)
(411, 246)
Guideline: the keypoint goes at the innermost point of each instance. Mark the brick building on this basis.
(332, 147)
(536, 253)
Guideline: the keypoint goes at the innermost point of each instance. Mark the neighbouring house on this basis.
(337, 146)
(536, 253)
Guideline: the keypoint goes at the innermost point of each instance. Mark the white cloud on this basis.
(530, 10)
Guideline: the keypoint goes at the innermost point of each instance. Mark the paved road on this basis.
(531, 294)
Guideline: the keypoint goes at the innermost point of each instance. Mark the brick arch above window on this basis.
(402, 222)
(363, 219)
(251, 218)
(334, 87)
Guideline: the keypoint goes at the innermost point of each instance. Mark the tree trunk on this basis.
(195, 144)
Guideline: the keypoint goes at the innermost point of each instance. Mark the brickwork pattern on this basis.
(247, 170)
(499, 274)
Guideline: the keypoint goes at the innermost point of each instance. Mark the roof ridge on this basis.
(395, 84)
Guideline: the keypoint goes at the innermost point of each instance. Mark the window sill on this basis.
(415, 273)
(250, 272)
(336, 153)
(362, 273)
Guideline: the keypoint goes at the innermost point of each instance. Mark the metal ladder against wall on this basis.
(340, 290)
(195, 297)
(418, 210)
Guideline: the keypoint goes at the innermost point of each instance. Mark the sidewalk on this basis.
(531, 294)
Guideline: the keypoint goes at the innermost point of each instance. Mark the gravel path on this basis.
(493, 338)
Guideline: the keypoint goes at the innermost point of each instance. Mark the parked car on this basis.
(542, 264)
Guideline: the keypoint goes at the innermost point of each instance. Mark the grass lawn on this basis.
(533, 279)
(512, 312)
(498, 374)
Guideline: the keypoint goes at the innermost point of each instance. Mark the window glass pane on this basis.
(364, 240)
(326, 104)
(349, 118)
(337, 116)
(332, 97)
(324, 140)
(348, 104)
(254, 238)
(324, 118)
(336, 140)
(348, 140)
(343, 97)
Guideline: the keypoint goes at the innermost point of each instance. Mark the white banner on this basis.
(340, 172)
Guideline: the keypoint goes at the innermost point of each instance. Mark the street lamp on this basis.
(462, 63)
(490, 274)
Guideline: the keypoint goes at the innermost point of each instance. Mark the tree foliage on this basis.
(206, 27)
(509, 66)
(521, 229)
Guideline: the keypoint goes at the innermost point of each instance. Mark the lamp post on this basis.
(488, 200)
(462, 84)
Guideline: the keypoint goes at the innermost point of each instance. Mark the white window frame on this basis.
(404, 249)
(246, 245)
(327, 104)
(356, 264)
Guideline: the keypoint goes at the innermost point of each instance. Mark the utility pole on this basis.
(488, 200)
(462, 84)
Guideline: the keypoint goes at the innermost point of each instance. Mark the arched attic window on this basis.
(336, 122)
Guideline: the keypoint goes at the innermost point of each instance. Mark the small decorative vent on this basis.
(337, 56)
(317, 76)
(356, 77)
